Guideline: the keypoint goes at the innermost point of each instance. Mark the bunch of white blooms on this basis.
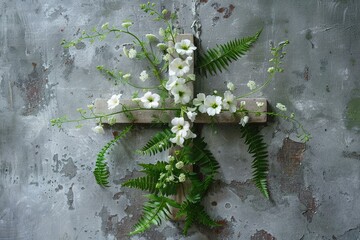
(182, 130)
(179, 69)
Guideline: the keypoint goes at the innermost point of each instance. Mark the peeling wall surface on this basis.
(47, 189)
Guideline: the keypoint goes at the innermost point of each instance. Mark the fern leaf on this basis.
(147, 183)
(258, 149)
(101, 171)
(204, 158)
(203, 218)
(160, 142)
(154, 211)
(195, 212)
(198, 187)
(218, 59)
(153, 169)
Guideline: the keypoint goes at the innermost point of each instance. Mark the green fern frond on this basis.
(154, 211)
(258, 149)
(204, 218)
(101, 171)
(147, 183)
(199, 187)
(153, 169)
(218, 59)
(160, 142)
(195, 212)
(204, 158)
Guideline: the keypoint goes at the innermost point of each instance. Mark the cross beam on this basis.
(147, 116)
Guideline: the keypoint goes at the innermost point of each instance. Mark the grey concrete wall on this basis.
(47, 190)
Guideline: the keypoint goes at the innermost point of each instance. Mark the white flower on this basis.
(190, 134)
(166, 57)
(182, 93)
(191, 114)
(132, 53)
(251, 85)
(168, 167)
(180, 126)
(189, 60)
(105, 26)
(98, 129)
(150, 100)
(185, 47)
(151, 37)
(126, 76)
(114, 101)
(228, 102)
(126, 51)
(162, 46)
(271, 70)
(90, 106)
(281, 107)
(144, 76)
(213, 104)
(191, 77)
(170, 50)
(126, 24)
(242, 103)
(174, 81)
(199, 102)
(182, 177)
(161, 32)
(259, 104)
(244, 120)
(171, 158)
(178, 67)
(230, 86)
(170, 178)
(112, 120)
(179, 165)
(178, 140)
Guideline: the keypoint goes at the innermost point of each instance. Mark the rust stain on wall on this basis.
(306, 198)
(262, 235)
(35, 89)
(227, 11)
(290, 157)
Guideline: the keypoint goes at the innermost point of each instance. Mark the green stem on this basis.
(119, 112)
(267, 82)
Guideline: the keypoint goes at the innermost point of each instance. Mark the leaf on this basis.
(101, 171)
(218, 59)
(147, 183)
(154, 211)
(153, 169)
(160, 142)
(203, 158)
(195, 212)
(258, 149)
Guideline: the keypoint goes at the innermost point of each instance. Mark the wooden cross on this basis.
(147, 116)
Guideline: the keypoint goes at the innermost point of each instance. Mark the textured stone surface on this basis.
(47, 189)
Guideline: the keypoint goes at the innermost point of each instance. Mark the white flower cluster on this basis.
(182, 130)
(179, 69)
(173, 173)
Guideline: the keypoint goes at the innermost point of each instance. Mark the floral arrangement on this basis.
(171, 63)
